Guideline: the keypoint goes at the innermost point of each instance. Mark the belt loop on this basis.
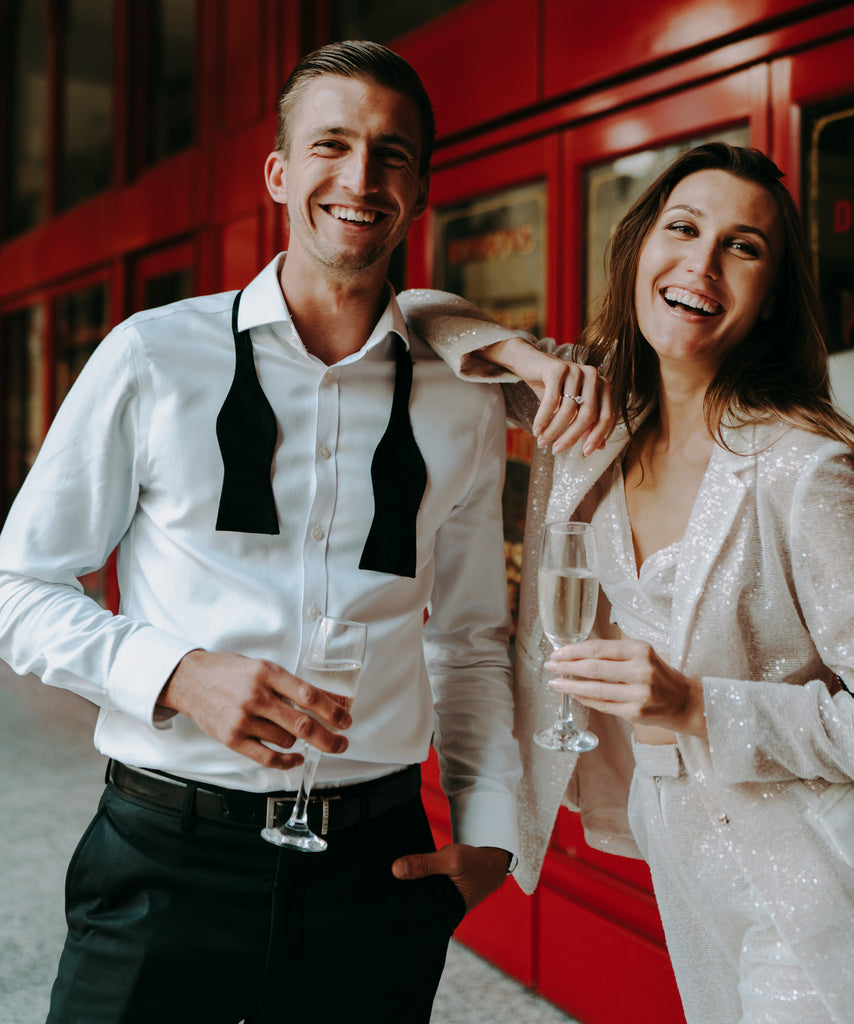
(108, 772)
(188, 808)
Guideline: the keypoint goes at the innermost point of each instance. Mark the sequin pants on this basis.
(731, 965)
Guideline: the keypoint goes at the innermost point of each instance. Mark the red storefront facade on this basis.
(551, 117)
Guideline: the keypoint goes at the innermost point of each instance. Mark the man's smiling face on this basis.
(351, 179)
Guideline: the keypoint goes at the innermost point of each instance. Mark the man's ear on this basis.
(276, 177)
(423, 194)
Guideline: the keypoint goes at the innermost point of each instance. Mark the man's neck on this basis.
(334, 318)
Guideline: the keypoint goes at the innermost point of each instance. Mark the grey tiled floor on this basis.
(50, 781)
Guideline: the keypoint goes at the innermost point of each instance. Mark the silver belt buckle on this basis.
(274, 801)
(273, 804)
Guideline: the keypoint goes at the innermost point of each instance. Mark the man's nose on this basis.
(359, 173)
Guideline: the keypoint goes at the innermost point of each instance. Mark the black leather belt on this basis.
(329, 809)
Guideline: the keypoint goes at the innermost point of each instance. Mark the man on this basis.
(225, 445)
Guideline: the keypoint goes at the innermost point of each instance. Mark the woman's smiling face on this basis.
(708, 267)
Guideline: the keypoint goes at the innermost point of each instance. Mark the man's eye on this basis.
(393, 156)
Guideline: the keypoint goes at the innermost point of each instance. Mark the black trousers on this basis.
(216, 926)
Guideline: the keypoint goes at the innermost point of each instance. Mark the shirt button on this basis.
(329, 377)
(317, 533)
(324, 452)
(314, 611)
(723, 819)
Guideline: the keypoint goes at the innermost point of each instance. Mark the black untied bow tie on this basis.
(246, 430)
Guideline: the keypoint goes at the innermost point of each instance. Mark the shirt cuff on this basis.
(141, 669)
(485, 819)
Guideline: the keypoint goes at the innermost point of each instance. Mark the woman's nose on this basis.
(704, 259)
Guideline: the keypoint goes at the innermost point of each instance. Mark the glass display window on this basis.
(24, 77)
(86, 110)
(166, 288)
(493, 250)
(828, 174)
(81, 319)
(163, 55)
(21, 368)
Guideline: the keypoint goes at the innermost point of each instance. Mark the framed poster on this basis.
(493, 251)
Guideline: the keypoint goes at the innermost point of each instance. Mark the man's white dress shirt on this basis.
(132, 461)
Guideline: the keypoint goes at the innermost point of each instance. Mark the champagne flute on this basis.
(332, 663)
(568, 589)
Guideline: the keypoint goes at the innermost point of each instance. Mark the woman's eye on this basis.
(740, 245)
(682, 228)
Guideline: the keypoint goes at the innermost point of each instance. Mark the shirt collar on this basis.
(263, 303)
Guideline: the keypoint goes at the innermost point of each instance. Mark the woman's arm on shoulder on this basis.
(548, 393)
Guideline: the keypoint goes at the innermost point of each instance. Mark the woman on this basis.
(723, 506)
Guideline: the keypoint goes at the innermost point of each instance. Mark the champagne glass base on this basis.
(577, 741)
(296, 838)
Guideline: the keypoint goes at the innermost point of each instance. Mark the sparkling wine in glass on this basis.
(332, 663)
(568, 590)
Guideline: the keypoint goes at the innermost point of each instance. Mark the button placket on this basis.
(323, 504)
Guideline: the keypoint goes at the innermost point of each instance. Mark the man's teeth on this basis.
(686, 298)
(357, 216)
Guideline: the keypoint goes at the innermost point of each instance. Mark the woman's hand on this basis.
(627, 678)
(575, 402)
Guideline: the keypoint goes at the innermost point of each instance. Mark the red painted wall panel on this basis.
(242, 69)
(239, 169)
(240, 251)
(478, 63)
(613, 37)
(599, 971)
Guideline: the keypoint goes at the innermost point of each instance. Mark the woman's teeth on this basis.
(696, 304)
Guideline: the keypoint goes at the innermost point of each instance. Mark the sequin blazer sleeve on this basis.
(799, 594)
(456, 329)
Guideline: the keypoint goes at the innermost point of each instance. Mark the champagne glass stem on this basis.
(564, 724)
(299, 815)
